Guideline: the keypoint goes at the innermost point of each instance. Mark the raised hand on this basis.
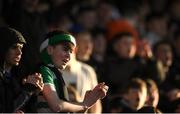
(99, 92)
(36, 80)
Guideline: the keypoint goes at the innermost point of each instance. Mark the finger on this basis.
(99, 85)
(40, 86)
(105, 87)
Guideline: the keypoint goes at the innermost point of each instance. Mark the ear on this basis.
(50, 50)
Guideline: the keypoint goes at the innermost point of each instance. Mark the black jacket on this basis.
(13, 95)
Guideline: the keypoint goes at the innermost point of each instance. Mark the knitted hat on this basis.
(9, 36)
(54, 40)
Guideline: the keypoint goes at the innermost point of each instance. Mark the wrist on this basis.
(85, 107)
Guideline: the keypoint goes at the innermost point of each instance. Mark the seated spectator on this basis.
(15, 90)
(56, 51)
(135, 93)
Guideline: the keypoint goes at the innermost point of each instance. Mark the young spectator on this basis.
(84, 46)
(120, 64)
(56, 52)
(135, 93)
(163, 53)
(156, 27)
(15, 91)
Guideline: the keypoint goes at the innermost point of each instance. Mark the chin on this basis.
(16, 64)
(62, 67)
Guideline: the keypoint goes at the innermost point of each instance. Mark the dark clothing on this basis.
(13, 96)
(118, 71)
(33, 27)
(62, 90)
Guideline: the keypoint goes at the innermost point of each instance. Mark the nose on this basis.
(68, 55)
(19, 51)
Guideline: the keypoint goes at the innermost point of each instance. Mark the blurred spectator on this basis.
(152, 93)
(144, 50)
(106, 12)
(135, 93)
(158, 67)
(85, 18)
(120, 26)
(120, 64)
(84, 46)
(163, 53)
(156, 27)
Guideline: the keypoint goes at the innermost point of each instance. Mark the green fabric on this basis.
(62, 37)
(54, 41)
(47, 75)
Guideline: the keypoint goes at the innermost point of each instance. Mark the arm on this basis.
(58, 105)
(96, 108)
(32, 84)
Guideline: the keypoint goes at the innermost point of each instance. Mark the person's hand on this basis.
(18, 112)
(99, 92)
(36, 80)
(173, 94)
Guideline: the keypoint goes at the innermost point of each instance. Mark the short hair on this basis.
(135, 83)
(161, 42)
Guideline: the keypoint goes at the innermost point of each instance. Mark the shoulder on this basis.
(47, 74)
(87, 67)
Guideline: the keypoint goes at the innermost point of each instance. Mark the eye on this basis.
(68, 49)
(16, 46)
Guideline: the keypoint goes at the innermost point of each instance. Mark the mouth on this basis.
(17, 59)
(65, 62)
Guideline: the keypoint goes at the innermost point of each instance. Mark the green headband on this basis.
(62, 37)
(56, 39)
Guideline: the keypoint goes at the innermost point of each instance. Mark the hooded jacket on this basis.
(13, 96)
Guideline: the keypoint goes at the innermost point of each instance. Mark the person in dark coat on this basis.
(15, 91)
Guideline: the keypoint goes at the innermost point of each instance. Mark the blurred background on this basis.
(131, 45)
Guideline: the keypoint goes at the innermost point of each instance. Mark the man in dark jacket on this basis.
(15, 92)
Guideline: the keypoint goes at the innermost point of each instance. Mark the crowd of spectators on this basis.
(131, 45)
